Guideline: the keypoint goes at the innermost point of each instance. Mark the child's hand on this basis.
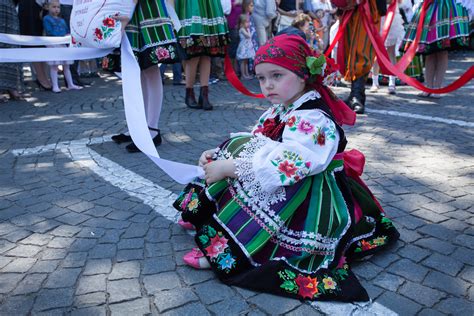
(206, 157)
(218, 170)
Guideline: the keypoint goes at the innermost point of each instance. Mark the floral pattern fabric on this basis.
(309, 143)
(215, 247)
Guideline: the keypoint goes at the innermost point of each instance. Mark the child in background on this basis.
(247, 8)
(245, 51)
(54, 25)
(283, 209)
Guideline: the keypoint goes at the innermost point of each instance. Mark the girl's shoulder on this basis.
(315, 104)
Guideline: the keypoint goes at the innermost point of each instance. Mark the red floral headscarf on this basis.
(293, 53)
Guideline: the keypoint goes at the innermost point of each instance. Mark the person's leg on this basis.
(152, 91)
(40, 70)
(391, 79)
(440, 71)
(242, 68)
(68, 77)
(177, 73)
(190, 68)
(53, 72)
(261, 34)
(375, 77)
(204, 72)
(430, 68)
(152, 96)
(357, 96)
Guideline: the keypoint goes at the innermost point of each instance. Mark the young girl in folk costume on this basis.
(245, 51)
(283, 209)
(153, 42)
(446, 27)
(54, 25)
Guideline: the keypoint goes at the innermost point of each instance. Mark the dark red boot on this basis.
(190, 99)
(204, 99)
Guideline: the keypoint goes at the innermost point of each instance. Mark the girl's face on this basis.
(279, 85)
(249, 8)
(54, 8)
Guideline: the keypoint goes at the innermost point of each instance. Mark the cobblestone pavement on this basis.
(86, 228)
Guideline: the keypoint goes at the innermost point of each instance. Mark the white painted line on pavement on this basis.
(160, 200)
(422, 117)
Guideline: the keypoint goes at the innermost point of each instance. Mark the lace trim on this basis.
(255, 196)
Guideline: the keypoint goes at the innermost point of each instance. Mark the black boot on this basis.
(204, 99)
(190, 99)
(357, 96)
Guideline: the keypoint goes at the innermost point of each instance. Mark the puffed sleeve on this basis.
(309, 143)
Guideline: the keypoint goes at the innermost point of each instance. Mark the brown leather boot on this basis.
(190, 99)
(204, 99)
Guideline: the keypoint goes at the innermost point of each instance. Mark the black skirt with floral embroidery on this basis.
(151, 34)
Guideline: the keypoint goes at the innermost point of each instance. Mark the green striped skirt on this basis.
(151, 34)
(294, 246)
(204, 28)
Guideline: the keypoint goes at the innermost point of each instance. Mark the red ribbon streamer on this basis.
(234, 80)
(384, 61)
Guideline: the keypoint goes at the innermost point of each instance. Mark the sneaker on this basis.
(213, 80)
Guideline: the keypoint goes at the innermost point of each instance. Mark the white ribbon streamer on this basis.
(132, 93)
(27, 40)
(136, 119)
(22, 55)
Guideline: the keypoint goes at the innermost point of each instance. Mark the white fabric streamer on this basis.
(132, 93)
(136, 119)
(26, 40)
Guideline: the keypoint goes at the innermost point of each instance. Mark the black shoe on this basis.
(122, 138)
(132, 148)
(157, 140)
(357, 106)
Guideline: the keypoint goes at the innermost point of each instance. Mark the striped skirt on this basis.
(11, 75)
(204, 29)
(151, 34)
(294, 247)
(446, 27)
(358, 50)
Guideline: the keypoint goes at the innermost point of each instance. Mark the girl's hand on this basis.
(218, 170)
(206, 157)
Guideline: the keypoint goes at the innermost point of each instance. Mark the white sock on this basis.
(53, 72)
(391, 80)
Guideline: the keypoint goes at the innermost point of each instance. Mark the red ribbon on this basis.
(354, 162)
(234, 80)
(385, 62)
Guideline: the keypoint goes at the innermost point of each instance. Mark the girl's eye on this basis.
(260, 78)
(276, 75)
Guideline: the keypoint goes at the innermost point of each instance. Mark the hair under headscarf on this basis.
(293, 53)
